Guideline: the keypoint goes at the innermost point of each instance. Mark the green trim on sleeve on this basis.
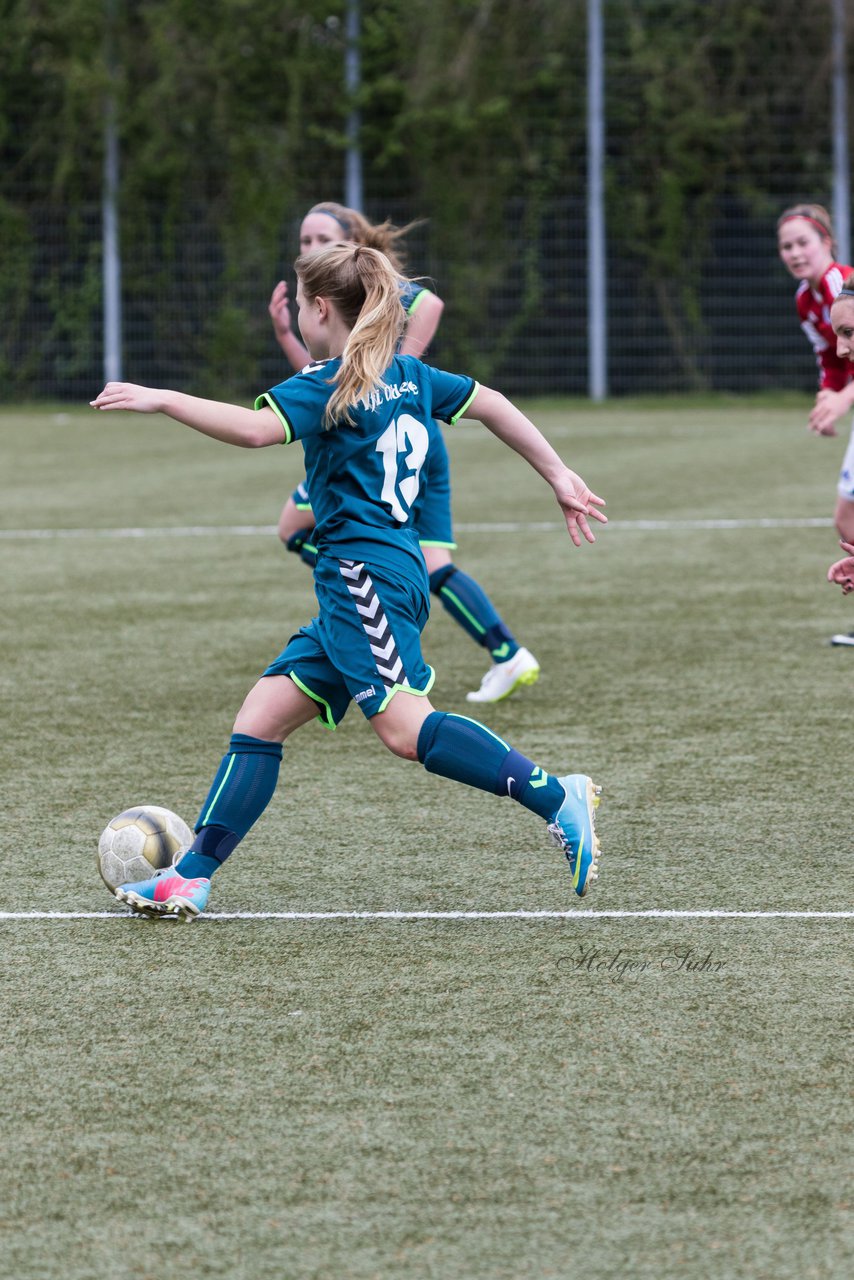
(264, 402)
(465, 406)
(417, 300)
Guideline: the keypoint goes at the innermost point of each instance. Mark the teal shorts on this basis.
(364, 645)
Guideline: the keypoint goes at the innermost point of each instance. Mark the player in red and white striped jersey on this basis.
(805, 242)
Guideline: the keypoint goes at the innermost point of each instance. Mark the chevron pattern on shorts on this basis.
(376, 624)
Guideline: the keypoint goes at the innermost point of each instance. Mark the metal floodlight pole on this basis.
(353, 195)
(112, 267)
(841, 193)
(597, 333)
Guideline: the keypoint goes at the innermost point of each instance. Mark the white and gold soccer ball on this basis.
(140, 841)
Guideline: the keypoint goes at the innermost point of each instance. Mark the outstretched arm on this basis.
(231, 423)
(509, 424)
(842, 572)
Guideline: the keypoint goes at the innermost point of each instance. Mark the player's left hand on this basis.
(829, 405)
(842, 572)
(579, 505)
(127, 395)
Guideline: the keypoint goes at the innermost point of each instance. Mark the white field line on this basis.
(505, 526)
(656, 914)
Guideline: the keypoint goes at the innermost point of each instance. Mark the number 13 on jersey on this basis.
(402, 476)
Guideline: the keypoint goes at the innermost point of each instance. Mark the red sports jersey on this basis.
(814, 314)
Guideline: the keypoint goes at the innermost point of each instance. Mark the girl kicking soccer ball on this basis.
(361, 412)
(464, 599)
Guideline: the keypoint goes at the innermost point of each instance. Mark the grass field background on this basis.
(476, 1099)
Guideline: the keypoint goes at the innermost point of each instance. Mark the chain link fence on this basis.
(189, 323)
(716, 314)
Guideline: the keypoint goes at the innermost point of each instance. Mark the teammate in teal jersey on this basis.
(361, 412)
(513, 666)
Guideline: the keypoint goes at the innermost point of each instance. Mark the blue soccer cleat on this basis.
(166, 893)
(573, 831)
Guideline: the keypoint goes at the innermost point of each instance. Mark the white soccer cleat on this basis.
(503, 678)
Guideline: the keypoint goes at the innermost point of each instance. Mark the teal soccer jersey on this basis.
(364, 478)
(431, 510)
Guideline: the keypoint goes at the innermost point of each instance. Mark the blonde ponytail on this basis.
(364, 288)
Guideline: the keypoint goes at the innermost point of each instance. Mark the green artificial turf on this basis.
(489, 1099)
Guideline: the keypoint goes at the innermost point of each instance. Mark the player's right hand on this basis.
(842, 572)
(127, 395)
(829, 405)
(279, 310)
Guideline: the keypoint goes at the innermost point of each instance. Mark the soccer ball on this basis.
(139, 842)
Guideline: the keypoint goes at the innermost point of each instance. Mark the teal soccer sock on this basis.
(465, 750)
(470, 606)
(239, 794)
